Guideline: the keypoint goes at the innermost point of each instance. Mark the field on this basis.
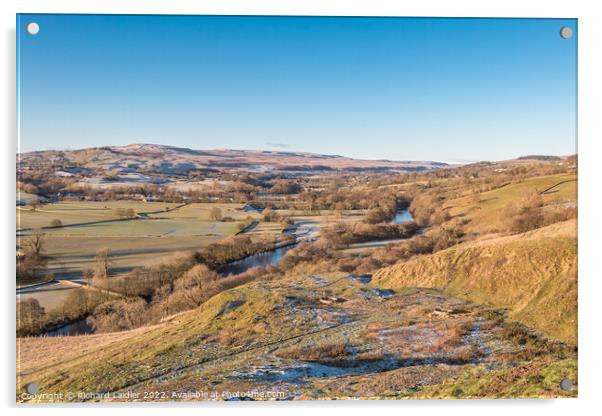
(51, 296)
(81, 212)
(149, 228)
(70, 256)
(140, 242)
(202, 211)
(145, 242)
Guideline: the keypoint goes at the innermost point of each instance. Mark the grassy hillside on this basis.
(308, 337)
(533, 274)
(484, 212)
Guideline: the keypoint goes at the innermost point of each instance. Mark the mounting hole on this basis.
(32, 388)
(33, 28)
(566, 32)
(566, 385)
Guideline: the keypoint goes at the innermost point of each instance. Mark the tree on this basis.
(56, 223)
(285, 187)
(526, 214)
(270, 215)
(125, 213)
(194, 285)
(216, 214)
(119, 315)
(30, 316)
(31, 258)
(377, 215)
(34, 204)
(102, 263)
(34, 246)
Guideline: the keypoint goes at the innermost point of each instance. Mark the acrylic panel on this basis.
(295, 208)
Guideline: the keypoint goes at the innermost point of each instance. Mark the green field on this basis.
(202, 211)
(69, 256)
(81, 212)
(133, 243)
(148, 228)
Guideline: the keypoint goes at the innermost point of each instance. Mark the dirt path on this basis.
(91, 287)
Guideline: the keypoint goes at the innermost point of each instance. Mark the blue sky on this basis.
(373, 88)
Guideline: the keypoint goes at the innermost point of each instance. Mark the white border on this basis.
(590, 276)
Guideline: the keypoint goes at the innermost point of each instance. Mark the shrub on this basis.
(270, 216)
(216, 214)
(118, 315)
(56, 223)
(525, 214)
(318, 352)
(30, 317)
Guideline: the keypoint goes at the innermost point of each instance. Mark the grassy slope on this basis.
(534, 275)
(538, 378)
(151, 351)
(486, 212)
(206, 348)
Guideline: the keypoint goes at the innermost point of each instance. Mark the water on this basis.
(269, 258)
(272, 258)
(402, 216)
(376, 243)
(80, 327)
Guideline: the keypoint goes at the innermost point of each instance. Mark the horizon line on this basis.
(290, 151)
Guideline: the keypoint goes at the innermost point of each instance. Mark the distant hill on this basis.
(149, 158)
(539, 157)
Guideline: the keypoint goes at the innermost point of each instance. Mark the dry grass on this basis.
(533, 274)
(484, 211)
(44, 352)
(226, 337)
(319, 352)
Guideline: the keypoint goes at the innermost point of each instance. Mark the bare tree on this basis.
(34, 204)
(34, 245)
(30, 316)
(216, 214)
(102, 263)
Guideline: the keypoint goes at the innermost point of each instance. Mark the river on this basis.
(272, 258)
(401, 216)
(80, 327)
(256, 260)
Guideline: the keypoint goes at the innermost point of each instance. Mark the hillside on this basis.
(533, 274)
(152, 158)
(486, 211)
(303, 337)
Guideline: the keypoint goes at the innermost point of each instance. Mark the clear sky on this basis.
(373, 88)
